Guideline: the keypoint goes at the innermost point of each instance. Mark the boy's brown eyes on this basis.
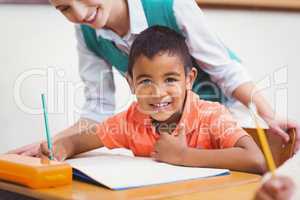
(170, 80)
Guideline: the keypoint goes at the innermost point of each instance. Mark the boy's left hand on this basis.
(170, 149)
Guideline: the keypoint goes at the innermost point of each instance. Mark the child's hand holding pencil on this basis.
(62, 149)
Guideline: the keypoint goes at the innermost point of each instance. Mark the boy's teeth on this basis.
(92, 16)
(161, 104)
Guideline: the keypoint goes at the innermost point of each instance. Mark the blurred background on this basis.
(38, 55)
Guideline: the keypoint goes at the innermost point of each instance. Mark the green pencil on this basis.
(47, 127)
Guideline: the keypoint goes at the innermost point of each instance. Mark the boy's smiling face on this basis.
(160, 85)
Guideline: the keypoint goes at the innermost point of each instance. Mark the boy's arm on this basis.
(81, 126)
(82, 139)
(232, 149)
(112, 133)
(244, 156)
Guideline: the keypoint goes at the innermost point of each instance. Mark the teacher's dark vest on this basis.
(158, 12)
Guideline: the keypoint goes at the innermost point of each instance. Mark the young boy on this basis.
(168, 122)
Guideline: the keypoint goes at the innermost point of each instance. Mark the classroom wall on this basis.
(37, 54)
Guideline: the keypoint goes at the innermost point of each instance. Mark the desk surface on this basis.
(194, 189)
(244, 192)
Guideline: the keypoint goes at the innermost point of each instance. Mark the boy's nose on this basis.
(159, 91)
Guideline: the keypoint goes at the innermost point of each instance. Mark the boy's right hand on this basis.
(61, 150)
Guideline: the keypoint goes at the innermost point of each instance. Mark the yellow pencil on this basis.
(263, 141)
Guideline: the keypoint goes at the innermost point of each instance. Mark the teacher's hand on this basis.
(279, 125)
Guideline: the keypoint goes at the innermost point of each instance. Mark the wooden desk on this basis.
(244, 192)
(193, 189)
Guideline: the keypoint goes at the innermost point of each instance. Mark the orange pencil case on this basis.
(30, 172)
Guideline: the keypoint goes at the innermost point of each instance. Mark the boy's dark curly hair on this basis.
(159, 39)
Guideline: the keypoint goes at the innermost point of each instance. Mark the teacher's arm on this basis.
(247, 92)
(230, 75)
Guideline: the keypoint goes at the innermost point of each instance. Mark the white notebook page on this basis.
(119, 169)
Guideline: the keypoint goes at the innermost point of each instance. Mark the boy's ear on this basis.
(130, 82)
(191, 77)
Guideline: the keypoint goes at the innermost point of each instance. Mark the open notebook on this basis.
(118, 169)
